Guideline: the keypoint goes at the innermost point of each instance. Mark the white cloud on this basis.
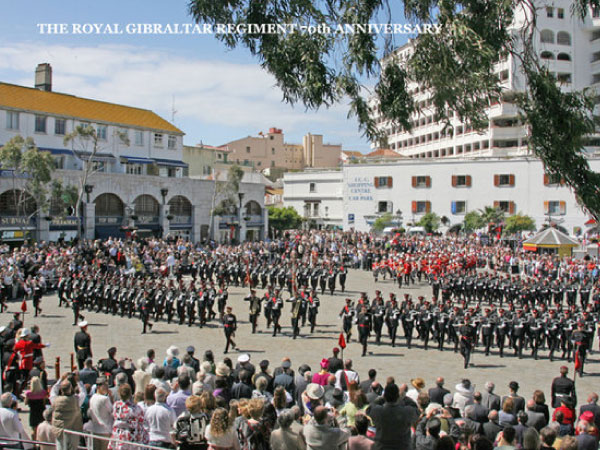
(207, 92)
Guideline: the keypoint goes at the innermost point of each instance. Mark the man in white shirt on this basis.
(10, 424)
(344, 377)
(100, 414)
(159, 419)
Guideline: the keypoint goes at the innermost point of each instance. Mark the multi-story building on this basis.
(271, 151)
(317, 196)
(210, 163)
(137, 177)
(569, 47)
(452, 187)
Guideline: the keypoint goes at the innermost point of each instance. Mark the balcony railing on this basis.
(181, 219)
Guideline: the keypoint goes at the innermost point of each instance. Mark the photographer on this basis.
(67, 414)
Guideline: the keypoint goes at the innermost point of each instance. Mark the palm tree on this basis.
(492, 215)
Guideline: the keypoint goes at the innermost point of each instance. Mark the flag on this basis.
(578, 362)
(342, 341)
(24, 306)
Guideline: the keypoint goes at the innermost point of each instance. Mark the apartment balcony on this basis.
(503, 110)
(508, 132)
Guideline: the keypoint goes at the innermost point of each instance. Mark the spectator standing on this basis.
(180, 393)
(100, 413)
(10, 423)
(128, 422)
(159, 419)
(44, 431)
(219, 433)
(284, 437)
(66, 416)
(322, 434)
(36, 398)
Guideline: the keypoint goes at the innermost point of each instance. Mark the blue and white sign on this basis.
(350, 218)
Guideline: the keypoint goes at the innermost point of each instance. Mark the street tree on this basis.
(491, 215)
(456, 66)
(30, 171)
(86, 144)
(430, 221)
(473, 221)
(386, 220)
(284, 218)
(518, 223)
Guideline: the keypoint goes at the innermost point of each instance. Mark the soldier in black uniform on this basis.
(82, 344)
(331, 276)
(296, 305)
(552, 333)
(347, 315)
(378, 313)
(562, 387)
(580, 343)
(145, 311)
(276, 305)
(536, 333)
(393, 315)
(254, 308)
(229, 325)
(519, 330)
(487, 331)
(364, 324)
(503, 329)
(76, 304)
(313, 304)
(37, 296)
(342, 277)
(467, 337)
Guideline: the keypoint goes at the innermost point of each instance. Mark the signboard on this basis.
(147, 219)
(350, 218)
(65, 221)
(13, 221)
(360, 189)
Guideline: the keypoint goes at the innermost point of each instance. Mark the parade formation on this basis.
(488, 297)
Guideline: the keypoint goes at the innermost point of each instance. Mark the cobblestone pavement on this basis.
(400, 362)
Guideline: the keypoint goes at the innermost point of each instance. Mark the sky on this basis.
(215, 95)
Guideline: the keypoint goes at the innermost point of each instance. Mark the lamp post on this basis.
(88, 188)
(164, 192)
(398, 218)
(241, 197)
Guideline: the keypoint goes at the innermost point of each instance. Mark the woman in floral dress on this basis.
(128, 422)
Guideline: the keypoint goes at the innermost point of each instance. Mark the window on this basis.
(564, 78)
(315, 209)
(219, 156)
(563, 57)
(595, 12)
(504, 180)
(172, 142)
(40, 124)
(206, 170)
(547, 36)
(560, 13)
(547, 55)
(272, 151)
(421, 181)
(98, 166)
(505, 206)
(12, 120)
(59, 162)
(458, 207)
(421, 207)
(101, 131)
(563, 38)
(60, 126)
(134, 169)
(272, 163)
(158, 140)
(247, 149)
(549, 11)
(139, 137)
(312, 187)
(380, 182)
(259, 163)
(384, 207)
(555, 208)
(552, 179)
(461, 180)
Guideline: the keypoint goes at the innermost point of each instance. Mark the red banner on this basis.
(342, 341)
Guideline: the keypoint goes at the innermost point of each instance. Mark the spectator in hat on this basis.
(335, 363)
(334, 399)
(195, 361)
(463, 395)
(100, 414)
(585, 440)
(323, 374)
(567, 415)
(312, 397)
(39, 370)
(417, 385)
(285, 366)
(172, 358)
(286, 378)
(302, 380)
(243, 363)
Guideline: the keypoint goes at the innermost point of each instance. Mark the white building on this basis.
(138, 178)
(569, 47)
(316, 196)
(449, 187)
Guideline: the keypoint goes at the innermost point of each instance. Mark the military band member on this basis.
(83, 344)
(145, 308)
(296, 305)
(580, 343)
(276, 306)
(254, 308)
(364, 323)
(347, 314)
(313, 304)
(467, 339)
(229, 326)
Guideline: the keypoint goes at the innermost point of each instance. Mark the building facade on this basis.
(452, 187)
(136, 176)
(318, 196)
(269, 150)
(570, 48)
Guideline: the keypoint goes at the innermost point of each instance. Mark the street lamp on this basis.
(398, 218)
(164, 192)
(88, 188)
(241, 197)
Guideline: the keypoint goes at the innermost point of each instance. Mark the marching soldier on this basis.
(229, 326)
(378, 313)
(254, 308)
(342, 277)
(467, 337)
(76, 302)
(313, 304)
(364, 324)
(487, 331)
(145, 311)
(393, 315)
(503, 329)
(347, 315)
(296, 305)
(580, 345)
(276, 306)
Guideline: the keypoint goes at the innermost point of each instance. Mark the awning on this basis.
(170, 162)
(86, 156)
(56, 151)
(137, 160)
